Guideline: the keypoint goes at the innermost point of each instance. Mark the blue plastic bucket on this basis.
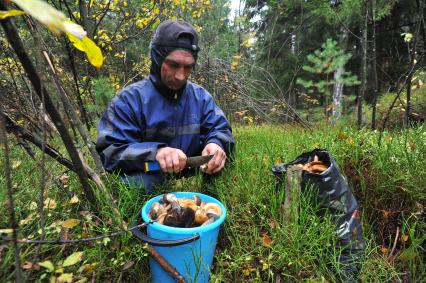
(192, 260)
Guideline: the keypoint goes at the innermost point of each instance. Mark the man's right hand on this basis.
(171, 159)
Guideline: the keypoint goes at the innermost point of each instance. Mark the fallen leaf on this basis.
(49, 203)
(127, 265)
(384, 250)
(74, 200)
(33, 205)
(70, 223)
(266, 240)
(273, 223)
(27, 265)
(28, 219)
(65, 277)
(404, 238)
(6, 231)
(64, 179)
(73, 259)
(88, 267)
(16, 164)
(386, 214)
(248, 270)
(105, 241)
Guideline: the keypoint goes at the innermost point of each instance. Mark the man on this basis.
(165, 117)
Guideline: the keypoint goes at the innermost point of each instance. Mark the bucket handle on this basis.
(157, 242)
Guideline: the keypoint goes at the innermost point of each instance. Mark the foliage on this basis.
(324, 63)
(397, 117)
(104, 92)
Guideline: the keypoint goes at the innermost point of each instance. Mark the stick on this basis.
(292, 192)
(167, 267)
(394, 242)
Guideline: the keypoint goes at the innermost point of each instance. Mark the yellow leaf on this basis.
(28, 219)
(16, 164)
(88, 268)
(49, 203)
(76, 42)
(59, 270)
(74, 29)
(93, 52)
(70, 223)
(10, 13)
(74, 200)
(64, 179)
(53, 19)
(6, 231)
(33, 205)
(44, 13)
(73, 259)
(47, 264)
(65, 277)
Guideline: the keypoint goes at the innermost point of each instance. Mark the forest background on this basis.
(292, 75)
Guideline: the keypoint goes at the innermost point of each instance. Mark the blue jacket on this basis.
(139, 120)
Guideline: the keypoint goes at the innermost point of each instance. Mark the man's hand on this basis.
(217, 162)
(171, 159)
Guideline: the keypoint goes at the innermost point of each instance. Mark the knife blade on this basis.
(191, 162)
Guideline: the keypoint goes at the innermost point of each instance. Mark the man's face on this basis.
(176, 69)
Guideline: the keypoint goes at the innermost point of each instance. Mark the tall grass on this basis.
(255, 244)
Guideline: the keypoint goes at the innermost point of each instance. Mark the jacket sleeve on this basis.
(215, 128)
(120, 133)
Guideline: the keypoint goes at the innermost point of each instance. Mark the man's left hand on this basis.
(217, 162)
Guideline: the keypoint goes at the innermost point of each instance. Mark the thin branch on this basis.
(10, 202)
(16, 42)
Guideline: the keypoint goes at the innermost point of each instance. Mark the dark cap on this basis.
(178, 34)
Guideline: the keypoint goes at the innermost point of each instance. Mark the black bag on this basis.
(335, 196)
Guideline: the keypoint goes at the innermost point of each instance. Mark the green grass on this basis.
(255, 244)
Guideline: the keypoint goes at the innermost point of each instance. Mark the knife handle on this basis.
(151, 166)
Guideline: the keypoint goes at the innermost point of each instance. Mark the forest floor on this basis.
(387, 179)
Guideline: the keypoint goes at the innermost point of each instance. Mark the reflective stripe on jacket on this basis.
(139, 120)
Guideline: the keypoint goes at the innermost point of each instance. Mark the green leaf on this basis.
(10, 13)
(47, 264)
(73, 259)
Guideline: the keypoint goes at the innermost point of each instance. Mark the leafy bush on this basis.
(418, 103)
(104, 92)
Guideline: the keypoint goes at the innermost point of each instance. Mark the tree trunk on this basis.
(361, 93)
(374, 65)
(338, 93)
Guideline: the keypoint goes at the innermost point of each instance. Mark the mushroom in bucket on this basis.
(184, 212)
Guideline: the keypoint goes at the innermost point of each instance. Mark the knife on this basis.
(192, 162)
